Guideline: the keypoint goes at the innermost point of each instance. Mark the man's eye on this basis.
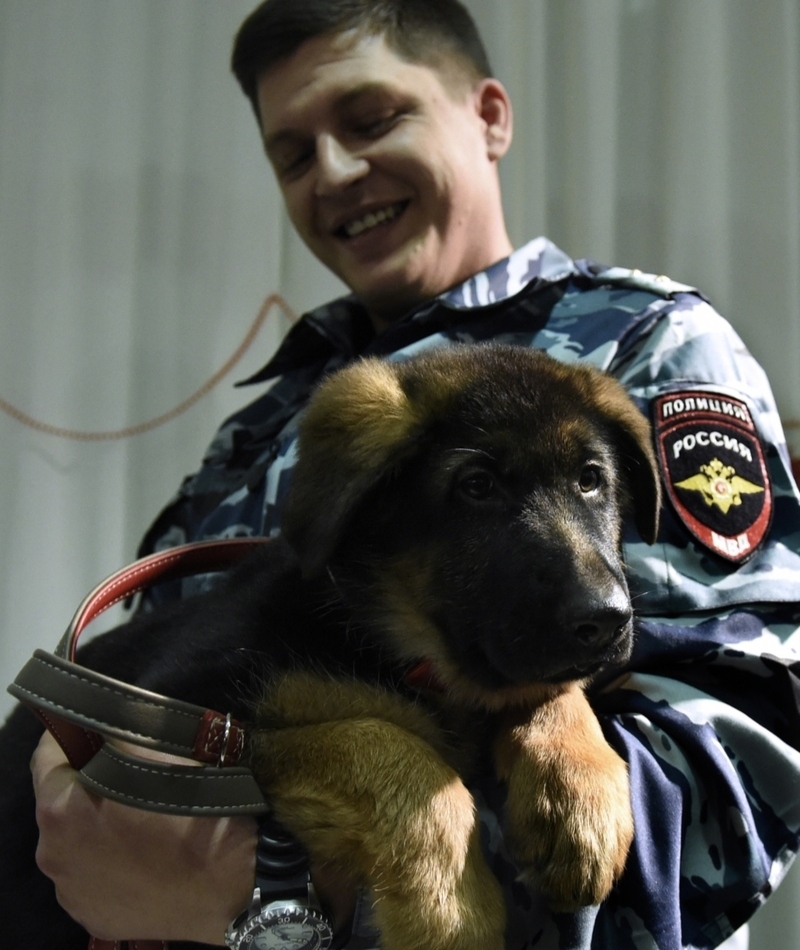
(375, 126)
(590, 479)
(288, 159)
(293, 165)
(478, 486)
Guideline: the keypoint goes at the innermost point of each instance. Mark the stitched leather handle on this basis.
(186, 560)
(82, 708)
(177, 789)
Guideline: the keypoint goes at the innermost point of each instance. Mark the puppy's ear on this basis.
(358, 424)
(635, 443)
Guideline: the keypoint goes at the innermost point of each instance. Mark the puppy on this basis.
(448, 583)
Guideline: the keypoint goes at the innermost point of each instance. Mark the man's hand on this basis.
(126, 873)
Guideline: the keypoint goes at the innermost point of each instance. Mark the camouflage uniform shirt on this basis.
(706, 715)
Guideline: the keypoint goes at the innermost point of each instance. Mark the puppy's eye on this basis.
(478, 485)
(590, 479)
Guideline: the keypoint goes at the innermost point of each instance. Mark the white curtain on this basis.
(140, 232)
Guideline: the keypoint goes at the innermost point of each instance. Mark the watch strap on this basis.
(282, 866)
(97, 944)
(282, 877)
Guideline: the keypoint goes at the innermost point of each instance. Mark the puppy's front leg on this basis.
(374, 798)
(569, 814)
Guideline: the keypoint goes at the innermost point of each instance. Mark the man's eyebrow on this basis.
(363, 90)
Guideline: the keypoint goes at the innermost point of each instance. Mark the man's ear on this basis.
(494, 105)
(358, 424)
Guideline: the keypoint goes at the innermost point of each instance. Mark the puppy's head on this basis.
(471, 502)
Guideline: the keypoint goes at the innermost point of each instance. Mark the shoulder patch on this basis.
(714, 470)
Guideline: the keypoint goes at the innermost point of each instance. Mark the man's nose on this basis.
(337, 167)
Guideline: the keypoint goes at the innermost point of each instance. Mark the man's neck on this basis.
(383, 314)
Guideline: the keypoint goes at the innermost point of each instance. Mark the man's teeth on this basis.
(371, 220)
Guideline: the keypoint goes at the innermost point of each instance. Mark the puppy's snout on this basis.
(596, 618)
(602, 626)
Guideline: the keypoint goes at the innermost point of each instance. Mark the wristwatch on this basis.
(284, 913)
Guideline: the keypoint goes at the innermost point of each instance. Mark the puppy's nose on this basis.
(601, 626)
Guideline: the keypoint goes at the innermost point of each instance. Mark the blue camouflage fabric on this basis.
(706, 714)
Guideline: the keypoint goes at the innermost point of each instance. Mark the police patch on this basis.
(715, 471)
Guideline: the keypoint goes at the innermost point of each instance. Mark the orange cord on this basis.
(129, 431)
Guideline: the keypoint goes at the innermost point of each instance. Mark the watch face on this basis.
(293, 935)
(287, 927)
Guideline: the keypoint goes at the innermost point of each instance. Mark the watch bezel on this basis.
(243, 932)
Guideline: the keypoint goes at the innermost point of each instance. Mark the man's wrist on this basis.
(221, 895)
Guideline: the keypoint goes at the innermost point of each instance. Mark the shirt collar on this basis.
(539, 259)
(342, 326)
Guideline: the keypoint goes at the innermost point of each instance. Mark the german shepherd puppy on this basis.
(462, 510)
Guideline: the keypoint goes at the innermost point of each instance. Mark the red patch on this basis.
(715, 470)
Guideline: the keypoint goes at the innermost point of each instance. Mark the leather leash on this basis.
(82, 708)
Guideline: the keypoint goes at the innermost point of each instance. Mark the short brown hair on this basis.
(420, 31)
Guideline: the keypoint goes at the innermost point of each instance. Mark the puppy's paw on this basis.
(373, 796)
(570, 828)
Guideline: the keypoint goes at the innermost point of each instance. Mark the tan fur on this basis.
(367, 405)
(569, 813)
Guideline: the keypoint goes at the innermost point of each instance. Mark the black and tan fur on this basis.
(462, 510)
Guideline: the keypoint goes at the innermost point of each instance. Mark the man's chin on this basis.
(390, 300)
(392, 289)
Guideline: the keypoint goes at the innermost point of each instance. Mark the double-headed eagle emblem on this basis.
(720, 485)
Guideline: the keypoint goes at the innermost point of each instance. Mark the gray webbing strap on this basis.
(105, 705)
(177, 789)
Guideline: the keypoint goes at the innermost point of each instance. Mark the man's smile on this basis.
(370, 220)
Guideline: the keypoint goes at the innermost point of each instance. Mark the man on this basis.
(384, 127)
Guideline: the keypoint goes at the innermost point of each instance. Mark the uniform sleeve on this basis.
(708, 724)
(707, 717)
(693, 354)
(706, 714)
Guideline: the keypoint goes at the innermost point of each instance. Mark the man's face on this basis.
(388, 168)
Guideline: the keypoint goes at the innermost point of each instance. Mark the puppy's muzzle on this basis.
(601, 627)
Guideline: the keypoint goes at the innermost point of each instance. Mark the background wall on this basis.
(140, 232)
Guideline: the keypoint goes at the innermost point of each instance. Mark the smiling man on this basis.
(384, 126)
